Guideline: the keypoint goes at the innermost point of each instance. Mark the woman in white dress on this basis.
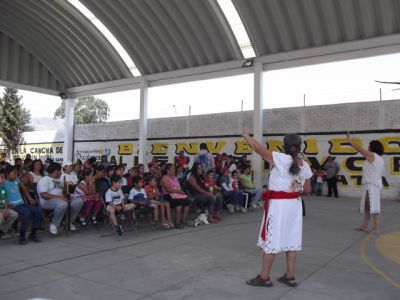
(281, 229)
(371, 184)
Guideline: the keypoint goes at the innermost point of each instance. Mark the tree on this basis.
(14, 119)
(87, 110)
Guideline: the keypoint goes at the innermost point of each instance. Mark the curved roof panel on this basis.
(167, 35)
(19, 65)
(63, 40)
(50, 44)
(286, 25)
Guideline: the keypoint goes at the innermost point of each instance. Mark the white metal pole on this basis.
(258, 121)
(69, 107)
(143, 122)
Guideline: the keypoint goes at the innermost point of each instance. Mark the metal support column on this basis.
(258, 122)
(143, 122)
(69, 108)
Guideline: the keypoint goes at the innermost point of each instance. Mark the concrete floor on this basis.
(210, 262)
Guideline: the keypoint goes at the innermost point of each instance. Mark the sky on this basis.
(339, 82)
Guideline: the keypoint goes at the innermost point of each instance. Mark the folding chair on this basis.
(129, 215)
(47, 215)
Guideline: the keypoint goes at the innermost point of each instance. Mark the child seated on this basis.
(7, 215)
(154, 196)
(211, 184)
(234, 181)
(115, 202)
(86, 190)
(138, 196)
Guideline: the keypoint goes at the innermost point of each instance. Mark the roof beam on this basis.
(343, 51)
(20, 86)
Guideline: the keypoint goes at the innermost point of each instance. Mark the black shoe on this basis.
(34, 238)
(22, 241)
(119, 230)
(328, 196)
(336, 196)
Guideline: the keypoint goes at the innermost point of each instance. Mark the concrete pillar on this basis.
(143, 122)
(69, 107)
(257, 161)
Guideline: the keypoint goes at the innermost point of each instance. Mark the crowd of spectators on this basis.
(94, 189)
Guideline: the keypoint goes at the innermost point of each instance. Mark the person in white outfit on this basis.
(370, 203)
(281, 229)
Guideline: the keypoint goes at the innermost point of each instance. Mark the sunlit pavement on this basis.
(211, 261)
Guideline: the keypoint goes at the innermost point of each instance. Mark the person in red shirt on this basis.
(182, 161)
(154, 196)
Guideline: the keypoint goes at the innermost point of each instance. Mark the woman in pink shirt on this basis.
(172, 192)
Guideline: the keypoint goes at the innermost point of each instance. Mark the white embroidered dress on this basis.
(285, 218)
(372, 184)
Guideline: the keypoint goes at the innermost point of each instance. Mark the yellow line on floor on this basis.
(371, 265)
(389, 246)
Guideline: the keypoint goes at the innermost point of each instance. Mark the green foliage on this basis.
(14, 119)
(87, 110)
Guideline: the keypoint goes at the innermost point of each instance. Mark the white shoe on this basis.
(243, 210)
(53, 229)
(254, 206)
(197, 222)
(72, 227)
(231, 208)
(261, 204)
(203, 219)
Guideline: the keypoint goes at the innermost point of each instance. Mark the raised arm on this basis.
(257, 147)
(367, 154)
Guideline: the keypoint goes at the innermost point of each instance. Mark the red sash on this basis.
(274, 195)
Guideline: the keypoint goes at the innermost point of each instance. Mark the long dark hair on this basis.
(194, 172)
(32, 168)
(292, 145)
(167, 167)
(376, 147)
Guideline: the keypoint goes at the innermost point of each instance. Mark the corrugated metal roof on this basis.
(286, 25)
(49, 44)
(17, 64)
(62, 40)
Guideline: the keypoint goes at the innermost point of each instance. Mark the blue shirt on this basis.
(12, 192)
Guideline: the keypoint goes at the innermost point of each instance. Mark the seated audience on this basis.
(102, 184)
(173, 193)
(51, 195)
(86, 191)
(248, 186)
(89, 163)
(200, 194)
(67, 175)
(104, 161)
(234, 195)
(154, 168)
(153, 194)
(138, 196)
(32, 178)
(116, 202)
(12, 186)
(7, 215)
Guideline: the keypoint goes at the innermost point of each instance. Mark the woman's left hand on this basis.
(348, 135)
(242, 129)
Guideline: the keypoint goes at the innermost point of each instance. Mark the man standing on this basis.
(205, 158)
(332, 169)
